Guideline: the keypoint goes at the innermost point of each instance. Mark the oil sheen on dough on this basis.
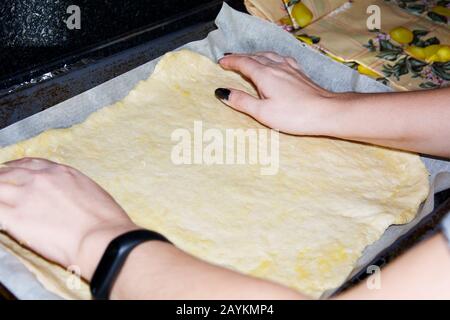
(304, 227)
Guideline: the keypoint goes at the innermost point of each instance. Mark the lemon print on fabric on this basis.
(444, 54)
(437, 53)
(336, 58)
(431, 53)
(431, 50)
(305, 39)
(301, 14)
(286, 21)
(368, 72)
(308, 39)
(443, 11)
(402, 35)
(416, 52)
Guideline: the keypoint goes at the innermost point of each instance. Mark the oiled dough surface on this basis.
(304, 227)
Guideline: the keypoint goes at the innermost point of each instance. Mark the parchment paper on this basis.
(237, 32)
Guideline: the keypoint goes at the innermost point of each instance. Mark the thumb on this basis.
(239, 100)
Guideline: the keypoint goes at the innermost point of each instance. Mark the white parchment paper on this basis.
(237, 32)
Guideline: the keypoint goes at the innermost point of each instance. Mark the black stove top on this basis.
(42, 35)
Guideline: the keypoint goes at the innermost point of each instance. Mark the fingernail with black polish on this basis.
(222, 93)
(224, 55)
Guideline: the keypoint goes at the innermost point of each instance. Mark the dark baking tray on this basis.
(46, 84)
(38, 94)
(429, 226)
(97, 66)
(34, 36)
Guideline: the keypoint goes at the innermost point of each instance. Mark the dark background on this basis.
(34, 34)
(42, 62)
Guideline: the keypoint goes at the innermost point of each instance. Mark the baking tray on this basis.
(34, 38)
(83, 75)
(429, 226)
(40, 93)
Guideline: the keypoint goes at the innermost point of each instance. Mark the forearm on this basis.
(291, 103)
(157, 270)
(413, 121)
(421, 273)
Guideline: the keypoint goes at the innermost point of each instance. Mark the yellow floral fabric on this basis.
(410, 52)
(278, 11)
(434, 10)
(272, 10)
(317, 9)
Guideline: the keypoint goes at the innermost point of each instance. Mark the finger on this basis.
(264, 60)
(239, 100)
(15, 176)
(306, 80)
(245, 65)
(9, 193)
(31, 163)
(271, 55)
(275, 57)
(293, 63)
(5, 216)
(267, 58)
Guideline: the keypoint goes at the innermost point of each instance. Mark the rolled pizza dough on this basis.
(304, 227)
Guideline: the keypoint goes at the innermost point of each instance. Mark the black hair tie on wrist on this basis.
(114, 258)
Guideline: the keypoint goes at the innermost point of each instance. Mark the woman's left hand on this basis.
(288, 100)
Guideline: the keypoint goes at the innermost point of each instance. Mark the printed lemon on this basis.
(301, 14)
(444, 54)
(416, 52)
(286, 21)
(433, 58)
(402, 35)
(431, 52)
(439, 54)
(336, 58)
(368, 72)
(443, 11)
(305, 39)
(432, 49)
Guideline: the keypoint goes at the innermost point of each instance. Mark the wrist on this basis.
(161, 260)
(329, 115)
(93, 244)
(364, 117)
